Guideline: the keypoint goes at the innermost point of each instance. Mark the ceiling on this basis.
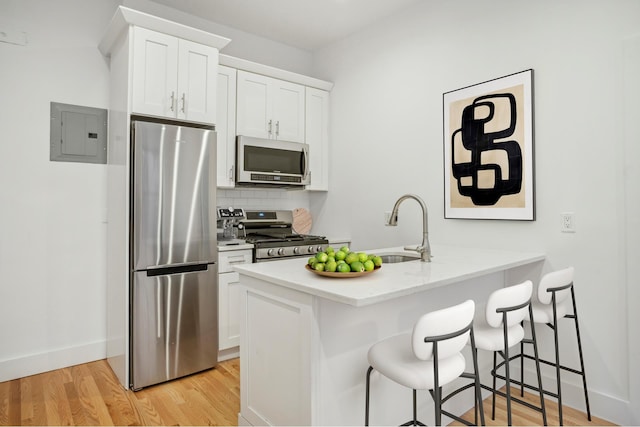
(305, 24)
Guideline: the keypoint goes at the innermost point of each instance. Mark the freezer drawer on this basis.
(174, 324)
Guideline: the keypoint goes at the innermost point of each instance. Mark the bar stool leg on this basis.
(584, 373)
(415, 409)
(366, 406)
(537, 360)
(477, 388)
(493, 400)
(522, 366)
(555, 338)
(506, 369)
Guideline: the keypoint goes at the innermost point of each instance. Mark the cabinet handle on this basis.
(183, 103)
(231, 173)
(277, 128)
(270, 126)
(237, 260)
(173, 100)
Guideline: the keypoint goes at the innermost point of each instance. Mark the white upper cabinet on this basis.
(317, 136)
(270, 108)
(174, 78)
(226, 126)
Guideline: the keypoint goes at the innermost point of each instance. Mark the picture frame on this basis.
(488, 149)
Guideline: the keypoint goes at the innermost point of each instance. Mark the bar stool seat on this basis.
(429, 358)
(492, 339)
(543, 313)
(394, 359)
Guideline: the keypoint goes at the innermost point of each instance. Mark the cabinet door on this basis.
(317, 136)
(226, 126)
(253, 106)
(197, 82)
(155, 68)
(229, 307)
(288, 111)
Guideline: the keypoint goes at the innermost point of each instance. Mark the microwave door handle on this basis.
(305, 160)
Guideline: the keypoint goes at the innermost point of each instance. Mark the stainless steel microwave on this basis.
(271, 163)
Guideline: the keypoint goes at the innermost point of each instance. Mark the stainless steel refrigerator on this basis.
(174, 277)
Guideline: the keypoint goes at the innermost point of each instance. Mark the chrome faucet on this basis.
(424, 249)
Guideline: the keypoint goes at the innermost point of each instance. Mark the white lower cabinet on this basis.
(229, 301)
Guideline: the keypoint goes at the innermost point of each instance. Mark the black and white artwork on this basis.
(488, 149)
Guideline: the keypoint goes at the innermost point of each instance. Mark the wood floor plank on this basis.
(77, 413)
(26, 407)
(148, 413)
(4, 402)
(59, 401)
(117, 400)
(15, 398)
(38, 414)
(51, 399)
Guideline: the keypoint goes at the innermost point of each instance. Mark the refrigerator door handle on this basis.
(176, 269)
(160, 305)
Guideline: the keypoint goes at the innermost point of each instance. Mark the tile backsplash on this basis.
(262, 198)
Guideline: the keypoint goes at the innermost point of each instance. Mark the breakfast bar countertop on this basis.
(450, 264)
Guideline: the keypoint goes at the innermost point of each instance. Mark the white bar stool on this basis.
(429, 358)
(553, 304)
(501, 327)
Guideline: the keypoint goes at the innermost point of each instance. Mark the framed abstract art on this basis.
(488, 149)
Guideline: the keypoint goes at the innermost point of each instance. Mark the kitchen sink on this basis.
(396, 258)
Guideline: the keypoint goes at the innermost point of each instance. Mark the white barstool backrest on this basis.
(442, 322)
(555, 279)
(511, 296)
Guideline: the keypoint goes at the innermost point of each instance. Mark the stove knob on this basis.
(319, 248)
(281, 251)
(310, 249)
(296, 250)
(271, 252)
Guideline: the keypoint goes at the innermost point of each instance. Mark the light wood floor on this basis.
(90, 394)
(524, 416)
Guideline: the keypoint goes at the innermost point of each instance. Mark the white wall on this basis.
(52, 214)
(52, 231)
(387, 140)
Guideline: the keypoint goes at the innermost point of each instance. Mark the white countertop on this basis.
(448, 265)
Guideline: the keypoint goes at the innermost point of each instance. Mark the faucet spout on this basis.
(424, 249)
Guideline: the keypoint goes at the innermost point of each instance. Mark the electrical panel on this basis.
(78, 134)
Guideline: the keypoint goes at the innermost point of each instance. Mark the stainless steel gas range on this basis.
(271, 233)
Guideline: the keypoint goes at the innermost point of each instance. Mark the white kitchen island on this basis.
(304, 338)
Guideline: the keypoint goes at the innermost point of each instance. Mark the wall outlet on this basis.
(568, 222)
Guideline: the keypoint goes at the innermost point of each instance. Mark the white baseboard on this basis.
(228, 353)
(32, 364)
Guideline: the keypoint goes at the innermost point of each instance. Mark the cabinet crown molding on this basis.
(277, 73)
(125, 17)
